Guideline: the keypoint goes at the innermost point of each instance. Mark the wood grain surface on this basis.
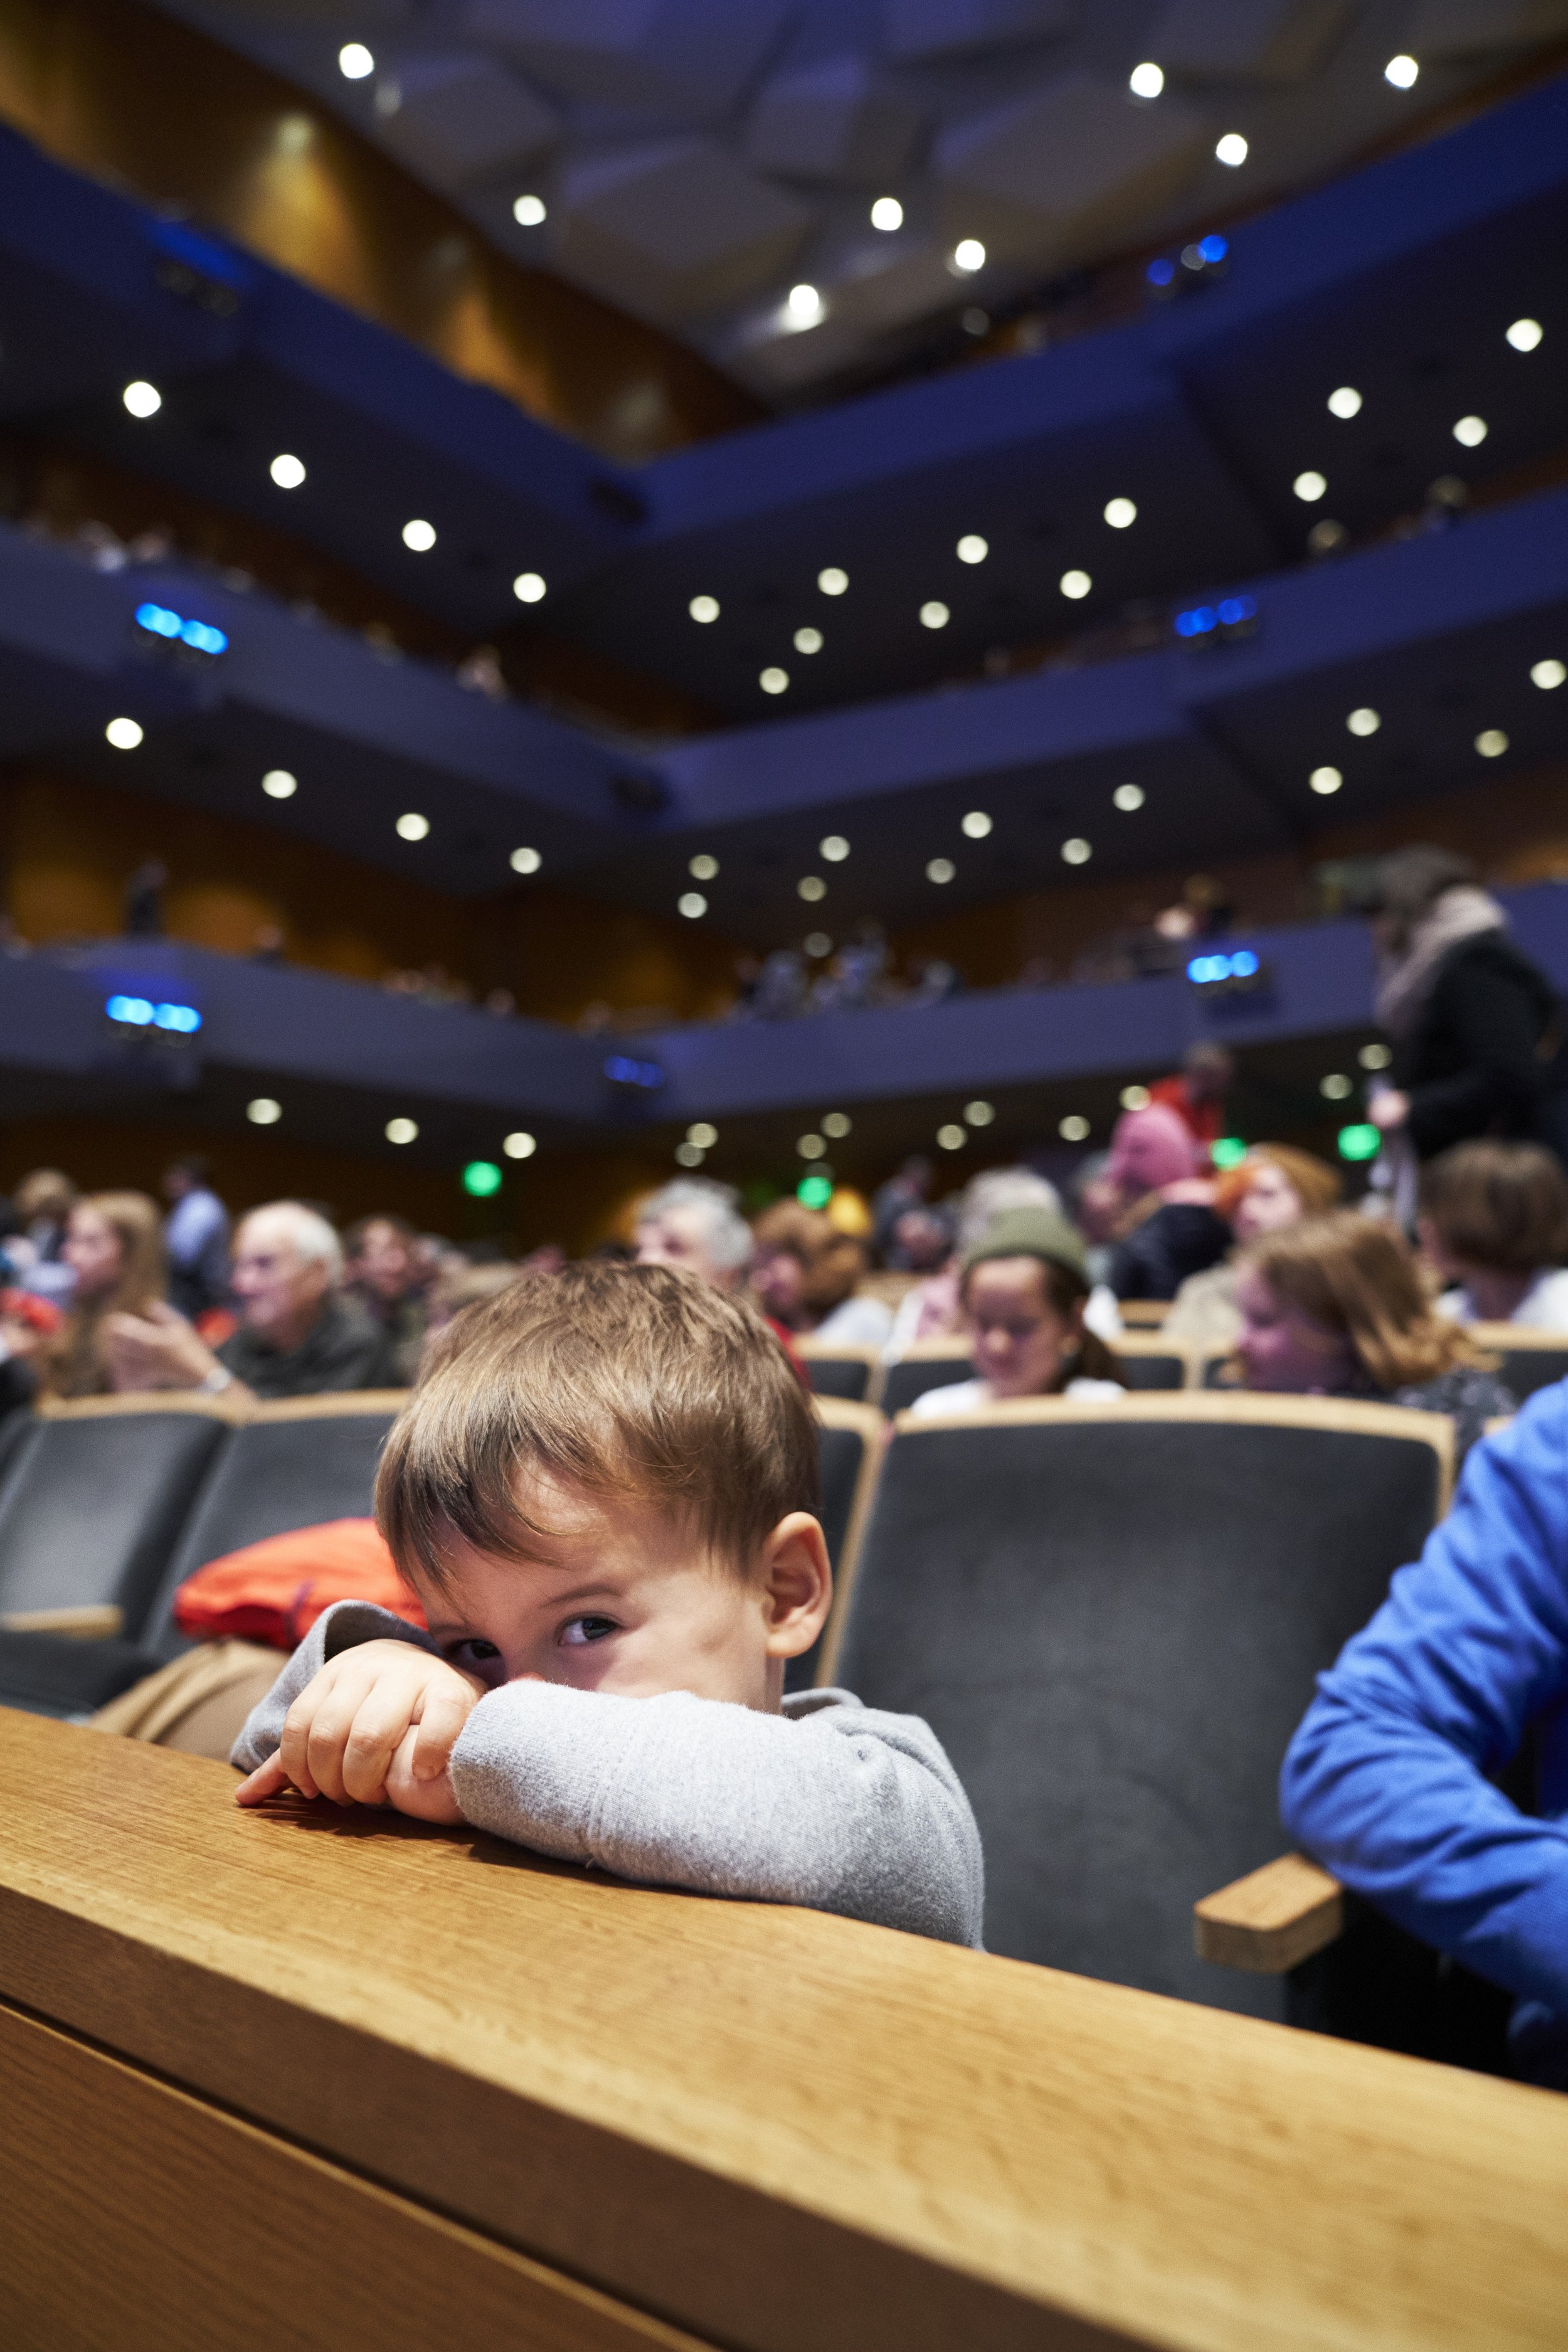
(1272, 1919)
(778, 2129)
(137, 2218)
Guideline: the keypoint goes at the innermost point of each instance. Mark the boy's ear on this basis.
(798, 1584)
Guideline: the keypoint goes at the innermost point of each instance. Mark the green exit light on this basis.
(1361, 1142)
(814, 1191)
(1227, 1152)
(481, 1178)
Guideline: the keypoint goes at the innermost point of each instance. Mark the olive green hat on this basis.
(1031, 1233)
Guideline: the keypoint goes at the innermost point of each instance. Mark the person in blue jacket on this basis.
(1389, 1780)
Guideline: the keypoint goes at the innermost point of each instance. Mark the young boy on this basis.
(603, 1492)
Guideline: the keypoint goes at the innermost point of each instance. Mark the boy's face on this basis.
(619, 1597)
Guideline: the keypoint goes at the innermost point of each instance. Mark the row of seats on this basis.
(1110, 1613)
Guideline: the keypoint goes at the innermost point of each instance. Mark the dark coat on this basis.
(1156, 1257)
(1486, 1054)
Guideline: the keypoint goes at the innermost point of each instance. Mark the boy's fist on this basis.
(376, 1726)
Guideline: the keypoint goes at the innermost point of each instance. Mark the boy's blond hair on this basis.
(626, 1382)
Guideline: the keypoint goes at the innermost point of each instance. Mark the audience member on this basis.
(115, 1249)
(195, 1237)
(697, 1223)
(298, 1335)
(383, 1276)
(1274, 1186)
(909, 1188)
(1334, 1306)
(805, 1272)
(1197, 1094)
(1478, 1031)
(603, 1493)
(1391, 1780)
(931, 1310)
(1494, 1224)
(1025, 1292)
(42, 1202)
(1169, 1227)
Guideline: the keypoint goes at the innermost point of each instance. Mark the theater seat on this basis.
(927, 1364)
(1148, 1360)
(852, 1373)
(850, 1447)
(1112, 1615)
(1530, 1359)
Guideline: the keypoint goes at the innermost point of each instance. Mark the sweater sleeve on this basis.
(1496, 1025)
(342, 1627)
(1388, 1781)
(834, 1806)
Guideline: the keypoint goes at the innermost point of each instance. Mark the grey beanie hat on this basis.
(1031, 1233)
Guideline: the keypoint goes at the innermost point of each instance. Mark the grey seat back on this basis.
(849, 1373)
(297, 1463)
(1528, 1360)
(913, 1374)
(849, 1452)
(1148, 1360)
(1112, 1615)
(94, 1497)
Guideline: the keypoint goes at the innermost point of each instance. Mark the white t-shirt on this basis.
(857, 1323)
(971, 1396)
(1543, 1307)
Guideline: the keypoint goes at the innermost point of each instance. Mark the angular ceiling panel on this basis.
(917, 30)
(461, 116)
(833, 122)
(1268, 41)
(1442, 29)
(675, 228)
(686, 57)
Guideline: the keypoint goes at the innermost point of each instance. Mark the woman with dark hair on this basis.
(1494, 1224)
(1334, 1306)
(1478, 1031)
(1024, 1290)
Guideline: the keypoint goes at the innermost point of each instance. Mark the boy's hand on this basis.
(376, 1726)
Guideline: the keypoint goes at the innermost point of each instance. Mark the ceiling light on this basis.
(702, 867)
(1524, 334)
(401, 1130)
(1231, 150)
(692, 905)
(520, 1145)
(1345, 402)
(355, 61)
(1325, 780)
(1375, 1057)
(690, 1155)
(142, 399)
(278, 785)
(833, 583)
(1547, 673)
(772, 680)
(524, 861)
(1077, 852)
(810, 1146)
(1402, 72)
(951, 1138)
(935, 614)
(123, 733)
(1326, 535)
(702, 1134)
(1146, 81)
(968, 255)
(834, 847)
(976, 825)
(1074, 584)
(837, 1124)
(1121, 513)
(811, 887)
(528, 211)
(1310, 487)
(413, 827)
(1335, 1087)
(263, 1111)
(941, 869)
(1364, 721)
(979, 1114)
(887, 213)
(1074, 1128)
(286, 472)
(808, 641)
(972, 548)
(804, 305)
(1470, 432)
(1128, 797)
(419, 536)
(704, 609)
(528, 587)
(1135, 1098)
(817, 944)
(1492, 743)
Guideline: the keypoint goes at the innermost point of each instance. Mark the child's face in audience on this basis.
(1283, 1350)
(1269, 1203)
(94, 1250)
(1021, 1341)
(619, 1597)
(778, 1278)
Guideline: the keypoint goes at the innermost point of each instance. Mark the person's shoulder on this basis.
(959, 1396)
(1089, 1391)
(1545, 1306)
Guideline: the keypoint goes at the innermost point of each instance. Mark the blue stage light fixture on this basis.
(135, 1011)
(1218, 624)
(621, 1071)
(1213, 248)
(1198, 623)
(159, 621)
(1160, 272)
(183, 1019)
(1234, 609)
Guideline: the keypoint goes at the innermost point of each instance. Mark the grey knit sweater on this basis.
(830, 1804)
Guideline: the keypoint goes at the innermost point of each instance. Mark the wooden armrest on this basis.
(94, 1621)
(1271, 1919)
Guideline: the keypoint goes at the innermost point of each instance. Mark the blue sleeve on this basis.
(1387, 1780)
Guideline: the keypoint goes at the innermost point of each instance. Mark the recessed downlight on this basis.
(692, 905)
(142, 399)
(1547, 673)
(834, 847)
(412, 826)
(972, 548)
(976, 825)
(1128, 797)
(1470, 432)
(1075, 585)
(402, 1130)
(968, 255)
(355, 62)
(941, 869)
(525, 861)
(528, 212)
(703, 867)
(1076, 851)
(1231, 150)
(1345, 402)
(519, 1145)
(1492, 743)
(1145, 81)
(124, 734)
(262, 1111)
(811, 887)
(1525, 334)
(832, 581)
(286, 472)
(704, 609)
(529, 587)
(1364, 721)
(278, 785)
(1325, 780)
(1121, 513)
(887, 214)
(934, 614)
(419, 536)
(773, 680)
(1309, 486)
(808, 640)
(1074, 1128)
(1401, 72)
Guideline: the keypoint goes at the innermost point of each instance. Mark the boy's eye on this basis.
(476, 1650)
(580, 1630)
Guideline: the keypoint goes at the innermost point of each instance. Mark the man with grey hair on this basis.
(298, 1335)
(696, 1224)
